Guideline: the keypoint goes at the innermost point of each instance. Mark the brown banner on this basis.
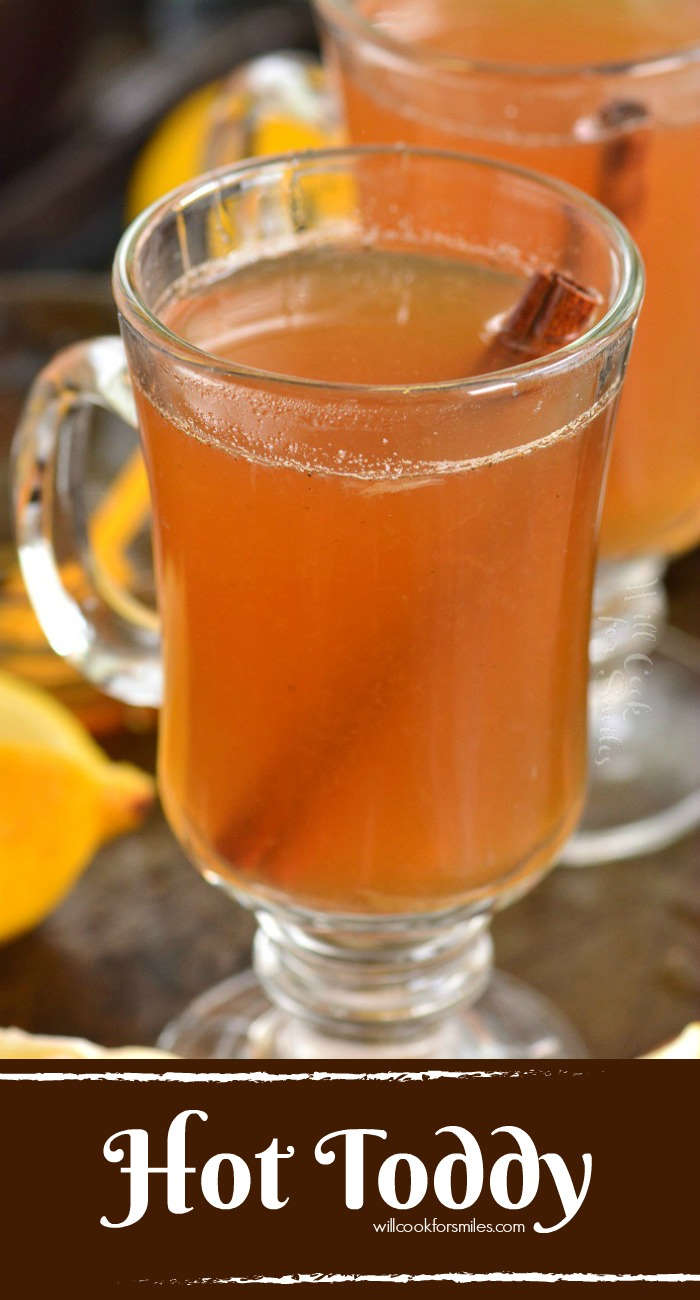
(507, 1173)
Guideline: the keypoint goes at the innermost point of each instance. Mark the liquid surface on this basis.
(290, 315)
(375, 688)
(538, 32)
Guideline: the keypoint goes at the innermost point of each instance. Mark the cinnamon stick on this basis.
(623, 173)
(552, 311)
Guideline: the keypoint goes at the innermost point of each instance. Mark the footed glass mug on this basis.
(604, 94)
(374, 573)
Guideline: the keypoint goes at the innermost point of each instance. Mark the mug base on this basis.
(236, 1020)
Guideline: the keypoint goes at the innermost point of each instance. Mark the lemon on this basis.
(175, 152)
(685, 1047)
(60, 798)
(276, 103)
(15, 1043)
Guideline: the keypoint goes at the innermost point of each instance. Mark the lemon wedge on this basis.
(16, 1044)
(685, 1047)
(60, 798)
(176, 151)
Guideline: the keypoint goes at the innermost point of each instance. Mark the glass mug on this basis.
(374, 594)
(604, 95)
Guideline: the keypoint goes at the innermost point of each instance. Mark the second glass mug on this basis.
(374, 597)
(605, 96)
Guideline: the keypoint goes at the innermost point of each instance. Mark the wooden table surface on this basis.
(616, 947)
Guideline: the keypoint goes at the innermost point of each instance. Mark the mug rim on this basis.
(348, 15)
(130, 304)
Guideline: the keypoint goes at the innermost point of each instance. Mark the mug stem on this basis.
(315, 996)
(378, 989)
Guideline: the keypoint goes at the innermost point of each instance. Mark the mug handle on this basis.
(111, 637)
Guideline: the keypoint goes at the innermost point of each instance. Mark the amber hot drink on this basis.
(370, 657)
(376, 428)
(512, 79)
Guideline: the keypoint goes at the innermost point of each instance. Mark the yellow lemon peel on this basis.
(60, 799)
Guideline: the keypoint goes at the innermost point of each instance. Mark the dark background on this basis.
(83, 84)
